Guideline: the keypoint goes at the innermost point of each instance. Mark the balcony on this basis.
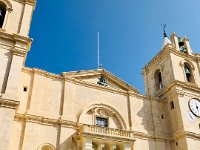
(90, 137)
(97, 131)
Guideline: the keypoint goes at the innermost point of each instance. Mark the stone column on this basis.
(110, 146)
(100, 146)
(127, 147)
(86, 144)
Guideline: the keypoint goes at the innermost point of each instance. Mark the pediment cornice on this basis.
(100, 72)
(81, 82)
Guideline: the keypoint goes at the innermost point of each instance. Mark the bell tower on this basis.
(15, 20)
(173, 76)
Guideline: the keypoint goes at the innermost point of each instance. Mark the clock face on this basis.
(194, 105)
(191, 117)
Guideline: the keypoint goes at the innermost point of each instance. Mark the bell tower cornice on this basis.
(164, 53)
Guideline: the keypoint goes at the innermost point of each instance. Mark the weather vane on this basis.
(164, 31)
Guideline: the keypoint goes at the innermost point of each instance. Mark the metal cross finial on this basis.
(164, 31)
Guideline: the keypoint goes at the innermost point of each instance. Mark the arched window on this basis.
(188, 72)
(46, 147)
(2, 13)
(158, 79)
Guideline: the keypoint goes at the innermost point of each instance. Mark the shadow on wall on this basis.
(155, 124)
(68, 144)
(147, 123)
(8, 55)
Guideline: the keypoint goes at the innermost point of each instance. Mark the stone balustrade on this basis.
(91, 129)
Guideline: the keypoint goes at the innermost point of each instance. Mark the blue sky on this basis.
(65, 34)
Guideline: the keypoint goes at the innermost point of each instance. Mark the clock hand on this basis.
(196, 105)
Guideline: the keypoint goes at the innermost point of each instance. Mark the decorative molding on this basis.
(74, 125)
(89, 131)
(42, 72)
(187, 61)
(88, 73)
(192, 135)
(9, 103)
(109, 111)
(159, 57)
(30, 2)
(8, 5)
(185, 85)
(19, 45)
(44, 120)
(86, 84)
(77, 82)
(164, 53)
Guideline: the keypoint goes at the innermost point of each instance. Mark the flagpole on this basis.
(98, 57)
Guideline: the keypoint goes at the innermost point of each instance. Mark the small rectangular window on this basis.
(102, 122)
(162, 116)
(172, 105)
(25, 89)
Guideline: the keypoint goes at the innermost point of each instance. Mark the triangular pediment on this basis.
(100, 77)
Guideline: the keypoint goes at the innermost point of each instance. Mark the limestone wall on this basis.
(6, 120)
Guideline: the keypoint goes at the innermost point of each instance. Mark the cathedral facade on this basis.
(93, 109)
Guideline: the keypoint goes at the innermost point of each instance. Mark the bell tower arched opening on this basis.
(188, 72)
(2, 13)
(158, 79)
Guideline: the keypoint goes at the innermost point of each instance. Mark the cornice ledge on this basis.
(149, 136)
(96, 86)
(42, 72)
(187, 85)
(84, 73)
(18, 49)
(138, 95)
(181, 54)
(9, 103)
(197, 56)
(31, 2)
(158, 57)
(118, 81)
(15, 37)
(21, 38)
(44, 120)
(69, 79)
(192, 135)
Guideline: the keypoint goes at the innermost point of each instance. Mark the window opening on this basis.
(182, 45)
(25, 89)
(158, 80)
(102, 122)
(172, 105)
(47, 147)
(188, 73)
(2, 13)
